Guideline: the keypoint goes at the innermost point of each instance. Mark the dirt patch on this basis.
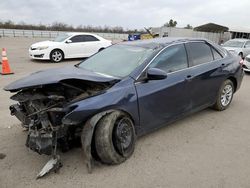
(2, 155)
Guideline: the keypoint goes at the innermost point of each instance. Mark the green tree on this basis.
(188, 27)
(171, 23)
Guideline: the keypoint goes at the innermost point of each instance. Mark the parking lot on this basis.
(206, 149)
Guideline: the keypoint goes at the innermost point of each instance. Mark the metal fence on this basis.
(53, 34)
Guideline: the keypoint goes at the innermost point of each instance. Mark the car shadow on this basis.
(76, 60)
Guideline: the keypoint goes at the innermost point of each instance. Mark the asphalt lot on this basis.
(207, 149)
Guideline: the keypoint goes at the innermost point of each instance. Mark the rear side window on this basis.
(89, 38)
(171, 59)
(216, 54)
(200, 53)
(77, 38)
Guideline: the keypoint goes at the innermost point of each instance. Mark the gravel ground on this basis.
(207, 149)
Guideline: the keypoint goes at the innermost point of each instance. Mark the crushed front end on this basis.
(41, 110)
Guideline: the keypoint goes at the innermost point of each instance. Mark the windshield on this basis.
(118, 60)
(233, 43)
(61, 37)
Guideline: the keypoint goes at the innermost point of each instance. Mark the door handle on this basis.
(189, 77)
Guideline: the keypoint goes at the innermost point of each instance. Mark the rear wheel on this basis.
(225, 95)
(115, 138)
(56, 56)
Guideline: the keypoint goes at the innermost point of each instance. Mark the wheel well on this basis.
(102, 48)
(234, 82)
(241, 54)
(58, 50)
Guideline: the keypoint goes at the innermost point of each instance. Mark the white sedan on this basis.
(246, 64)
(238, 46)
(68, 45)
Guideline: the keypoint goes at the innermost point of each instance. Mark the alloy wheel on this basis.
(57, 56)
(227, 94)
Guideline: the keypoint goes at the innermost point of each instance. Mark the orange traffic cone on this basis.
(5, 64)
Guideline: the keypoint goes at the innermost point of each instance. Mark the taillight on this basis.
(241, 62)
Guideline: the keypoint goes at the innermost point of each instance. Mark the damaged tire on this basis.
(115, 138)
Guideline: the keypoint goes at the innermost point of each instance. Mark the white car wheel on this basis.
(56, 56)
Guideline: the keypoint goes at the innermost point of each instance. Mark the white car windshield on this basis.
(234, 43)
(118, 60)
(61, 38)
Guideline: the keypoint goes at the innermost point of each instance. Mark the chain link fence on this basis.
(53, 34)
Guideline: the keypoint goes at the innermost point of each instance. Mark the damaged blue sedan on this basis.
(121, 93)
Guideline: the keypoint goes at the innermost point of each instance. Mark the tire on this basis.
(225, 96)
(115, 138)
(56, 56)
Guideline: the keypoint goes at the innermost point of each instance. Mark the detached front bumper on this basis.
(39, 54)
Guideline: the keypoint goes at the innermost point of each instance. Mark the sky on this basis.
(130, 14)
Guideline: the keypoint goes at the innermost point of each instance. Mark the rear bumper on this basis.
(246, 66)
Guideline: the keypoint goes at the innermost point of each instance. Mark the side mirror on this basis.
(68, 41)
(156, 74)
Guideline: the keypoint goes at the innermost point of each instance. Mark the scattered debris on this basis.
(54, 164)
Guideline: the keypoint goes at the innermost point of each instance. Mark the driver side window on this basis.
(171, 59)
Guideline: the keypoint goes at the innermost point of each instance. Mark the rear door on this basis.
(161, 101)
(91, 45)
(207, 74)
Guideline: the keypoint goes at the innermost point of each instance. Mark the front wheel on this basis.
(115, 138)
(225, 95)
(56, 56)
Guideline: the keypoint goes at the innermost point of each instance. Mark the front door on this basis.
(161, 101)
(75, 48)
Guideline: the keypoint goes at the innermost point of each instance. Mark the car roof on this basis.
(71, 34)
(160, 42)
(79, 33)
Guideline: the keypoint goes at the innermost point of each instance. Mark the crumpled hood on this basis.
(44, 43)
(56, 75)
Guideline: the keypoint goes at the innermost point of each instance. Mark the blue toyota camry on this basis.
(121, 93)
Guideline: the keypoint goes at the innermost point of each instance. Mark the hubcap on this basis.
(123, 135)
(226, 95)
(57, 56)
